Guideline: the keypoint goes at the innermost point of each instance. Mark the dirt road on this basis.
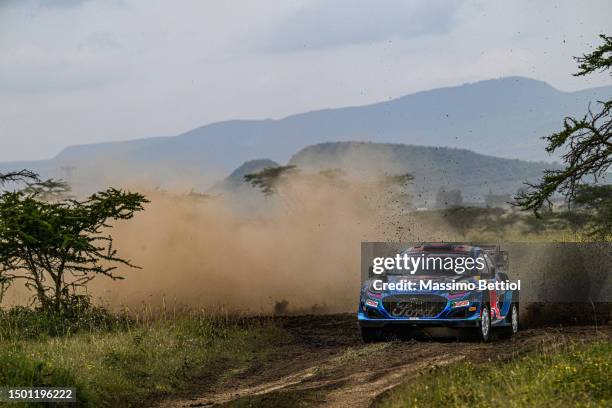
(327, 364)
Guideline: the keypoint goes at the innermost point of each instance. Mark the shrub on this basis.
(79, 315)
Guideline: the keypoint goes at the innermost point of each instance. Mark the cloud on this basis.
(35, 69)
(99, 70)
(329, 24)
(48, 48)
(42, 3)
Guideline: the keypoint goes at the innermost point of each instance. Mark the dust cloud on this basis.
(298, 251)
(302, 248)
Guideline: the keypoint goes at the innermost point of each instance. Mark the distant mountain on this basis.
(501, 117)
(434, 168)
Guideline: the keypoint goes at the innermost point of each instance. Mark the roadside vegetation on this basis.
(578, 376)
(116, 360)
(55, 245)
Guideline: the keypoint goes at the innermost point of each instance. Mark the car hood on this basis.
(434, 278)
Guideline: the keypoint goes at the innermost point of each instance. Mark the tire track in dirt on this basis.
(327, 354)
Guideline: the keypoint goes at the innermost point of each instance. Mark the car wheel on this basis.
(371, 334)
(484, 328)
(513, 316)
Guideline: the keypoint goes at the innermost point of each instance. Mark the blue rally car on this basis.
(478, 299)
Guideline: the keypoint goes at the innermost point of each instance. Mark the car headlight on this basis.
(371, 302)
(460, 303)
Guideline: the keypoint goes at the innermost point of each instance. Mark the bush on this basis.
(79, 315)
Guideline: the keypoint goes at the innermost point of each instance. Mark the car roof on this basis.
(445, 248)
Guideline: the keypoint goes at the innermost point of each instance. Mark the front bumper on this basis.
(372, 312)
(417, 322)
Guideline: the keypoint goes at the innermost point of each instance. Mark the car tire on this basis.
(513, 317)
(484, 326)
(371, 334)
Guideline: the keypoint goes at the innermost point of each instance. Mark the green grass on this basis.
(17, 367)
(124, 366)
(579, 376)
(23, 323)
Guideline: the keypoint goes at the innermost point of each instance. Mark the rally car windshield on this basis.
(438, 264)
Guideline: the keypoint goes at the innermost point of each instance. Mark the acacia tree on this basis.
(18, 177)
(13, 177)
(268, 179)
(49, 190)
(58, 247)
(598, 201)
(587, 142)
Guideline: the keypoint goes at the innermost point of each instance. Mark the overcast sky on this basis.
(82, 71)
